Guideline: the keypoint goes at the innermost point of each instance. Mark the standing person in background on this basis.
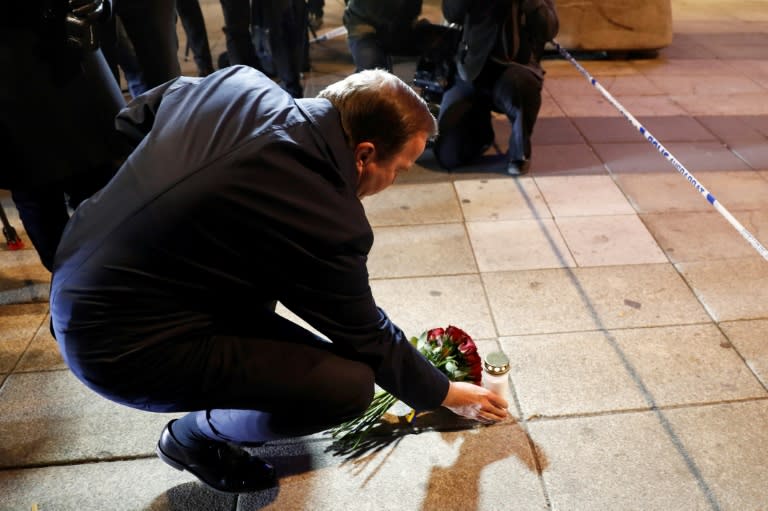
(280, 35)
(237, 31)
(499, 69)
(58, 101)
(191, 16)
(377, 30)
(151, 27)
(239, 195)
(315, 14)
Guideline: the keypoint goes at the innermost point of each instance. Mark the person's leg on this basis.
(291, 384)
(517, 93)
(237, 29)
(283, 383)
(368, 53)
(43, 212)
(192, 20)
(284, 379)
(464, 126)
(151, 26)
(285, 26)
(125, 57)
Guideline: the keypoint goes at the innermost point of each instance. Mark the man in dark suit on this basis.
(498, 64)
(239, 195)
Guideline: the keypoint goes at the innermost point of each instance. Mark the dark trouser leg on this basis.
(369, 53)
(125, 56)
(287, 24)
(44, 214)
(237, 27)
(194, 26)
(258, 381)
(517, 93)
(464, 125)
(151, 26)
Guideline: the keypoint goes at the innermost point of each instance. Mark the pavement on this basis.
(634, 315)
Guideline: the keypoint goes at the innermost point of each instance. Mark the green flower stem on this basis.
(354, 431)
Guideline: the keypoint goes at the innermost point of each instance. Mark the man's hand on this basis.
(475, 402)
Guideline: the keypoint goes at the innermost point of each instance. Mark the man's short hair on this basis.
(377, 106)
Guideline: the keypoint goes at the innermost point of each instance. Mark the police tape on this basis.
(667, 155)
(336, 32)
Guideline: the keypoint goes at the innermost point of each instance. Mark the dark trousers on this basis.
(259, 377)
(237, 29)
(464, 121)
(151, 27)
(192, 20)
(280, 35)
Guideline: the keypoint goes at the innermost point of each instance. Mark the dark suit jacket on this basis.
(236, 195)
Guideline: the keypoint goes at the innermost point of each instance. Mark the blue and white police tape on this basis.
(666, 154)
(336, 32)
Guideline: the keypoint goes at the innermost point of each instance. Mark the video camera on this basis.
(436, 68)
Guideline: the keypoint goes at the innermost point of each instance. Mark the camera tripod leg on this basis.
(12, 239)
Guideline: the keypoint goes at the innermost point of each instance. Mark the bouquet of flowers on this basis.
(451, 350)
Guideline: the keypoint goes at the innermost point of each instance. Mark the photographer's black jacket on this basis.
(510, 32)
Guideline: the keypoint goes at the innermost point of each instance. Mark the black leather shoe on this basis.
(220, 465)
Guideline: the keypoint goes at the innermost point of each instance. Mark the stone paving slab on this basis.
(574, 299)
(53, 418)
(18, 324)
(748, 338)
(413, 204)
(729, 444)
(22, 278)
(421, 250)
(132, 485)
(583, 196)
(518, 245)
(610, 240)
(505, 199)
(568, 374)
(705, 235)
(476, 469)
(416, 304)
(42, 353)
(625, 461)
(730, 289)
(669, 192)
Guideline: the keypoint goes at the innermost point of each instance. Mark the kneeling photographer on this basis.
(498, 69)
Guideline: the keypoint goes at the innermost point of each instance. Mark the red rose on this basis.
(457, 334)
(473, 359)
(467, 346)
(463, 341)
(435, 334)
(474, 366)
